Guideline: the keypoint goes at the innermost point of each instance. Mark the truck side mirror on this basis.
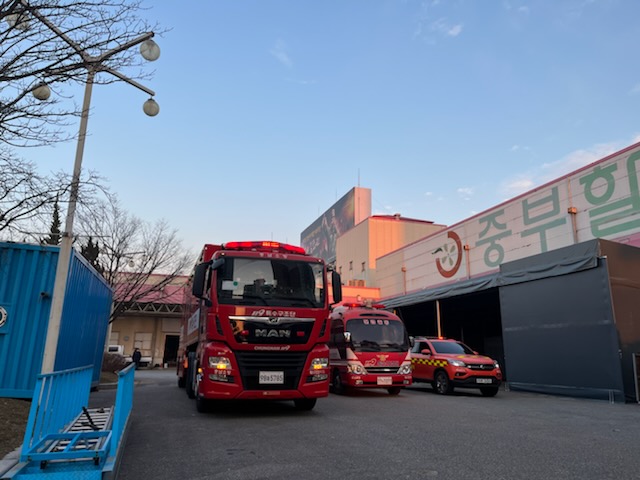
(336, 284)
(425, 351)
(199, 276)
(412, 342)
(347, 337)
(217, 264)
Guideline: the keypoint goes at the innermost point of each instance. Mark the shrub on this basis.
(112, 362)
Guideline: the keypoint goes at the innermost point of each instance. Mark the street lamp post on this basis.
(150, 51)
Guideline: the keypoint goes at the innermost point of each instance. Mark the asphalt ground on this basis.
(372, 435)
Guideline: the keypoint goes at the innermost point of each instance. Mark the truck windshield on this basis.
(271, 282)
(377, 334)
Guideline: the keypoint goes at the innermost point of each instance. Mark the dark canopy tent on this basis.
(569, 319)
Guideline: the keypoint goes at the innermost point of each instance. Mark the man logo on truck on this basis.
(272, 333)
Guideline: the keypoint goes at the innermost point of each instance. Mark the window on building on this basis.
(351, 265)
(143, 341)
(363, 264)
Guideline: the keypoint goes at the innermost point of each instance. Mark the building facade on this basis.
(495, 280)
(152, 324)
(358, 249)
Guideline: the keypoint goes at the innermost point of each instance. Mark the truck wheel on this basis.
(394, 390)
(489, 391)
(190, 376)
(305, 403)
(336, 383)
(202, 404)
(442, 384)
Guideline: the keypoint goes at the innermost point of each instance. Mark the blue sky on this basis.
(271, 110)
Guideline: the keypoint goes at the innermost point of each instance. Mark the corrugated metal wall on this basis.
(85, 317)
(27, 276)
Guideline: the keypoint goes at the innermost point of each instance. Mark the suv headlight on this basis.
(220, 363)
(457, 363)
(405, 369)
(356, 368)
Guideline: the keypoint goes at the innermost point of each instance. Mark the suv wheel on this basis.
(489, 391)
(442, 384)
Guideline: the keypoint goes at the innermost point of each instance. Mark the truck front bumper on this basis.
(377, 380)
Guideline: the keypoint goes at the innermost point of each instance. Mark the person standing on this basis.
(136, 357)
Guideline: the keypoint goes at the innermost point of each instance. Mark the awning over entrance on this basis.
(557, 262)
(451, 290)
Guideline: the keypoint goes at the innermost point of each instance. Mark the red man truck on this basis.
(369, 348)
(255, 325)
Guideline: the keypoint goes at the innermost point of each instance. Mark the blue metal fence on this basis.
(124, 403)
(57, 400)
(61, 439)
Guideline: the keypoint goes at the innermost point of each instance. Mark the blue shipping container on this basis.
(27, 277)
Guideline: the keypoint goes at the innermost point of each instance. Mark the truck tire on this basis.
(202, 404)
(489, 391)
(190, 376)
(305, 403)
(442, 384)
(337, 386)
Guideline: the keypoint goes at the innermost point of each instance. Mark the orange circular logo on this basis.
(450, 257)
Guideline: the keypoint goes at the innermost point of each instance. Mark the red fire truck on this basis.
(255, 325)
(369, 347)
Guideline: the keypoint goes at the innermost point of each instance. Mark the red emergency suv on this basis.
(447, 364)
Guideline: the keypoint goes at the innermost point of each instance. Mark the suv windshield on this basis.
(270, 282)
(377, 334)
(451, 347)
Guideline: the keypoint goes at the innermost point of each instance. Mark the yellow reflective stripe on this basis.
(424, 361)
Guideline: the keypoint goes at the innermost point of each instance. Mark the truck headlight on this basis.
(405, 369)
(319, 363)
(496, 364)
(457, 363)
(356, 369)
(219, 363)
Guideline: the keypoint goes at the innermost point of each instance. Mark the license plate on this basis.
(385, 381)
(271, 378)
(484, 380)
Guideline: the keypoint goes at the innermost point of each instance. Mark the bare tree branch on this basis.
(27, 197)
(32, 52)
(138, 259)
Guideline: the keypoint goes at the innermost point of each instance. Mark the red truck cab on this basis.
(448, 363)
(255, 325)
(369, 348)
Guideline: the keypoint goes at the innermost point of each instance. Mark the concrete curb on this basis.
(9, 461)
(108, 386)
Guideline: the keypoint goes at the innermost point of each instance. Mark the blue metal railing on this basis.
(58, 399)
(122, 410)
(62, 440)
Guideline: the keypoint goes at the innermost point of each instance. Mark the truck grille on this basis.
(251, 363)
(382, 369)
